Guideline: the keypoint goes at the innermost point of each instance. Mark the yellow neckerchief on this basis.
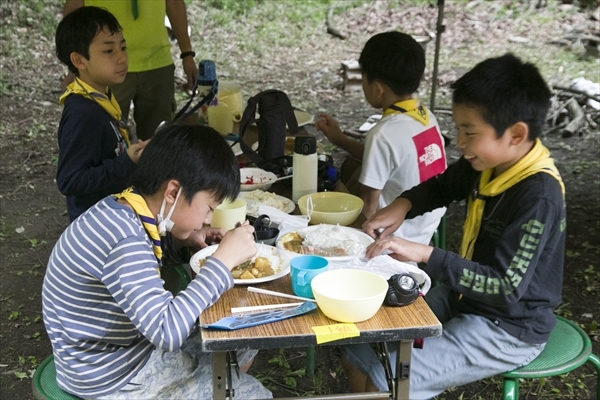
(410, 107)
(107, 102)
(139, 205)
(537, 160)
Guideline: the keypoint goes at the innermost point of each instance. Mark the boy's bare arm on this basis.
(330, 128)
(371, 198)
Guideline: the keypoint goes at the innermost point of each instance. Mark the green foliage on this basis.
(30, 15)
(283, 376)
(6, 230)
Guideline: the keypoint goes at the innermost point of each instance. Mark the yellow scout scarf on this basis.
(537, 160)
(107, 102)
(411, 108)
(140, 207)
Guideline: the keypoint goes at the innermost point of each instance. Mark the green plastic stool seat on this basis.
(568, 348)
(44, 383)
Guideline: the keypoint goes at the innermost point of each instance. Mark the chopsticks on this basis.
(278, 294)
(250, 309)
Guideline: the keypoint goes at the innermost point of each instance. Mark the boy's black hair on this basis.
(506, 91)
(394, 58)
(77, 29)
(197, 156)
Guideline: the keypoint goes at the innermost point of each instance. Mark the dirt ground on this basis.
(33, 213)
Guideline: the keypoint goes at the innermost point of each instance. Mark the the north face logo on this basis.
(432, 153)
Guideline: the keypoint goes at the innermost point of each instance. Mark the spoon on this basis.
(283, 177)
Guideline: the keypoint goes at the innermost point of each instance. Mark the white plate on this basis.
(361, 238)
(289, 205)
(284, 268)
(262, 179)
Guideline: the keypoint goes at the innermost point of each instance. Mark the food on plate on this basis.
(260, 197)
(261, 267)
(324, 240)
(292, 242)
(251, 180)
(264, 263)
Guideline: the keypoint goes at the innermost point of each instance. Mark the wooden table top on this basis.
(390, 323)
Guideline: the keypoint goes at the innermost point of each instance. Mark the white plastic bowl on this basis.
(349, 295)
(260, 179)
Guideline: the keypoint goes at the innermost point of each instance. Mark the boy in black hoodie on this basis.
(497, 297)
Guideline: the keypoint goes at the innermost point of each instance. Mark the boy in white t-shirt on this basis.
(405, 147)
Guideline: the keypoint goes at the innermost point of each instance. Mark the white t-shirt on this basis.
(400, 152)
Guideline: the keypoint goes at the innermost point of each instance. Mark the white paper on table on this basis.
(285, 222)
(385, 266)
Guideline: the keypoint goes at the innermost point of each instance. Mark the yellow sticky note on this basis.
(329, 333)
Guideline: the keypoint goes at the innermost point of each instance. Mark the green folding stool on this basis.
(44, 383)
(568, 348)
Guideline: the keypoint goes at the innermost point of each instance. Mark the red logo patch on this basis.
(430, 153)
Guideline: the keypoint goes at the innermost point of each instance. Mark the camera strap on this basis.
(207, 99)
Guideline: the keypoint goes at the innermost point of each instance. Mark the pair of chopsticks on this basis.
(238, 310)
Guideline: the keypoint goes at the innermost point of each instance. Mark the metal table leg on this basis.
(219, 370)
(402, 378)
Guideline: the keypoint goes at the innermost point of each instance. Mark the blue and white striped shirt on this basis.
(104, 305)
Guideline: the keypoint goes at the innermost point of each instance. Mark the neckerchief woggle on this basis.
(537, 160)
(107, 102)
(410, 107)
(139, 205)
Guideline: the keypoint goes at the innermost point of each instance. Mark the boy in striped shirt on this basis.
(115, 331)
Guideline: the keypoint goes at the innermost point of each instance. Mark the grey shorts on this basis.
(470, 348)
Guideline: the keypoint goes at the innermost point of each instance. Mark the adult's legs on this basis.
(154, 100)
(153, 96)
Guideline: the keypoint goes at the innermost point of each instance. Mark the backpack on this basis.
(275, 112)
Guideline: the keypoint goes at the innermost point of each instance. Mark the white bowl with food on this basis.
(268, 264)
(256, 198)
(256, 178)
(334, 242)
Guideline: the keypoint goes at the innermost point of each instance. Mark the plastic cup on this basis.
(228, 213)
(302, 271)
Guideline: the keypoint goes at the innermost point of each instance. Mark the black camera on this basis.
(403, 289)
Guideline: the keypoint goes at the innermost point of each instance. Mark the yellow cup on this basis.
(221, 117)
(228, 213)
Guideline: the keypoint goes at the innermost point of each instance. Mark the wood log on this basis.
(577, 122)
(351, 75)
(566, 89)
(331, 28)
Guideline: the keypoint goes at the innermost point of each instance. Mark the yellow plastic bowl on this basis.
(349, 295)
(332, 208)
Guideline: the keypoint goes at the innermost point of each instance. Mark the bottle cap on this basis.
(305, 145)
